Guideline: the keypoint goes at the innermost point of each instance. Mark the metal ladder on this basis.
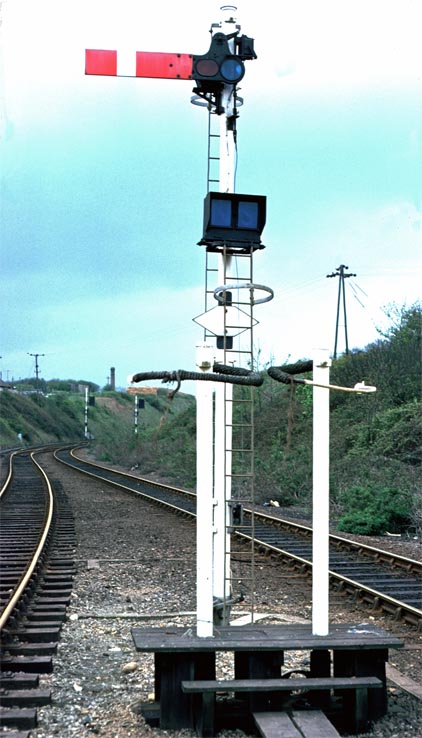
(213, 181)
(239, 431)
(213, 154)
(239, 441)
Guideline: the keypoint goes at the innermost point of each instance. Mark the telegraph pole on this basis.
(340, 272)
(37, 369)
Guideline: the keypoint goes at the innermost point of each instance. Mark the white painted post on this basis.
(204, 495)
(321, 471)
(222, 490)
(224, 392)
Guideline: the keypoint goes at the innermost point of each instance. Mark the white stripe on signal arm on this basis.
(126, 63)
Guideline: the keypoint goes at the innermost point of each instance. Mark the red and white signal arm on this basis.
(159, 65)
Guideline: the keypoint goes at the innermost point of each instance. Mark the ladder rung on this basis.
(241, 302)
(240, 279)
(243, 401)
(240, 476)
(240, 351)
(233, 498)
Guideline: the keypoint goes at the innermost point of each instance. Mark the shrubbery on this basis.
(373, 510)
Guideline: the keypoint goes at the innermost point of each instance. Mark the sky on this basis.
(103, 180)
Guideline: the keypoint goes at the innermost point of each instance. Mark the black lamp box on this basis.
(233, 220)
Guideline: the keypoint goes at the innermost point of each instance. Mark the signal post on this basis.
(216, 75)
(233, 224)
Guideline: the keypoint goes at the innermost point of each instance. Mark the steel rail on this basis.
(72, 451)
(380, 599)
(36, 449)
(48, 517)
(339, 541)
(138, 480)
(378, 554)
(9, 475)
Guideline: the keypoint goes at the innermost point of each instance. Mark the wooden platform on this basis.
(204, 704)
(349, 651)
(304, 724)
(263, 638)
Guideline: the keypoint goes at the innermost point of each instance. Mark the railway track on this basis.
(374, 577)
(36, 567)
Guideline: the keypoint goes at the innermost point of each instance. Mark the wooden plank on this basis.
(31, 664)
(275, 685)
(14, 680)
(404, 682)
(175, 707)
(314, 724)
(23, 718)
(264, 638)
(31, 649)
(362, 706)
(259, 665)
(275, 724)
(37, 635)
(25, 697)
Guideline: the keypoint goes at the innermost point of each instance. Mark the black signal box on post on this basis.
(234, 221)
(219, 66)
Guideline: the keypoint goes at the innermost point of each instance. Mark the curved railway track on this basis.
(36, 567)
(372, 576)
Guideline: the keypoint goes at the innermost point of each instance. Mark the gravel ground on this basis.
(135, 564)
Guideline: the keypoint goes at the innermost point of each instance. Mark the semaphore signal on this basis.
(223, 64)
(185, 662)
(233, 224)
(138, 64)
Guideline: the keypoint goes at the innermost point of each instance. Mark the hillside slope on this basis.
(30, 419)
(376, 440)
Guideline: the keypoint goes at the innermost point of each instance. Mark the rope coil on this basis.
(221, 373)
(286, 373)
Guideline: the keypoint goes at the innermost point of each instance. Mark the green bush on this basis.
(374, 510)
(363, 523)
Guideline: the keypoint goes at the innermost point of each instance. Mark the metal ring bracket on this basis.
(202, 103)
(219, 292)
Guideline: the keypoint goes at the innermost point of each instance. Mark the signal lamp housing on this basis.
(218, 66)
(233, 221)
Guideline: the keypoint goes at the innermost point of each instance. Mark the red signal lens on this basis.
(207, 68)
